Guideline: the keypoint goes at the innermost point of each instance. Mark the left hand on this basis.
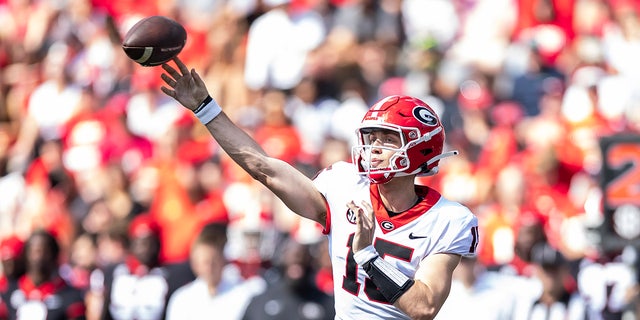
(365, 225)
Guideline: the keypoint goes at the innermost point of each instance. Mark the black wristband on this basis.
(203, 104)
(390, 281)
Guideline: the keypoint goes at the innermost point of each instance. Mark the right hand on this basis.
(185, 86)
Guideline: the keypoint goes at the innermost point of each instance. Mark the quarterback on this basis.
(393, 244)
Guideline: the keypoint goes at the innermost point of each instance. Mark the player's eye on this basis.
(376, 138)
(390, 140)
(382, 138)
(370, 138)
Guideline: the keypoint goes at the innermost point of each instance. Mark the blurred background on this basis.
(541, 98)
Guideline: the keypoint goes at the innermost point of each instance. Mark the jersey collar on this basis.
(386, 223)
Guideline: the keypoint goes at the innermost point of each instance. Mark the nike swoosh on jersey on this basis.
(412, 236)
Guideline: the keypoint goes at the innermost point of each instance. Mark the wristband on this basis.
(365, 255)
(390, 281)
(207, 110)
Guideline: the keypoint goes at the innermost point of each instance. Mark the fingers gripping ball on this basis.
(154, 40)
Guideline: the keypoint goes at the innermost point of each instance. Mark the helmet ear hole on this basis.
(426, 151)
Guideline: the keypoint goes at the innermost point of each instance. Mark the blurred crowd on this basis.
(94, 156)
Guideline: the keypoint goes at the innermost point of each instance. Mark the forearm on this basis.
(418, 302)
(240, 147)
(433, 283)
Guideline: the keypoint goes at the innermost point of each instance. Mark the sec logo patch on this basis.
(351, 216)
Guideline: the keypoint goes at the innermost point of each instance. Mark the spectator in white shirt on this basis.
(219, 290)
(558, 298)
(484, 294)
(278, 43)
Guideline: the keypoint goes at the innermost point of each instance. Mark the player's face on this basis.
(383, 143)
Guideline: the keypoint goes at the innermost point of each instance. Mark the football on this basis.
(154, 40)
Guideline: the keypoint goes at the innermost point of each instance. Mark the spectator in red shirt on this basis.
(41, 293)
(12, 261)
(277, 135)
(11, 258)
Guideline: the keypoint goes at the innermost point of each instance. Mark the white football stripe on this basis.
(146, 55)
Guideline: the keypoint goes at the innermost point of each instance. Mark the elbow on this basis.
(427, 315)
(259, 175)
(259, 170)
(421, 311)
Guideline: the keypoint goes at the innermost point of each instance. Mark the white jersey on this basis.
(435, 225)
(606, 286)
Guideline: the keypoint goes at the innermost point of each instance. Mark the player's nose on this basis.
(376, 147)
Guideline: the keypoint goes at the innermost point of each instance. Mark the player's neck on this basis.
(399, 194)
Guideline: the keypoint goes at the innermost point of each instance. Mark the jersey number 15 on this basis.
(350, 280)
